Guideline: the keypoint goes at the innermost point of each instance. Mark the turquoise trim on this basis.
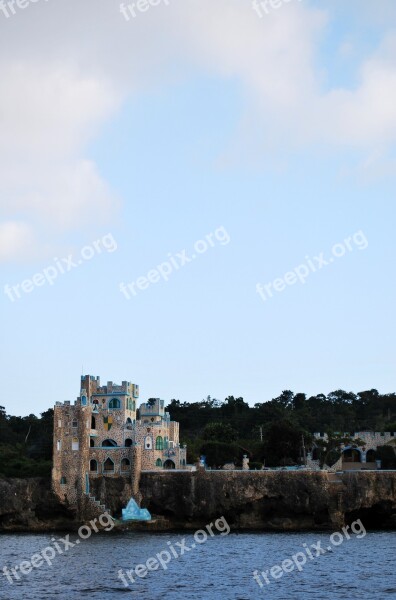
(113, 394)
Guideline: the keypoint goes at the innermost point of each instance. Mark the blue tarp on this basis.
(133, 513)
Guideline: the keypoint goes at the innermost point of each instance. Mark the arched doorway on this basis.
(108, 466)
(351, 455)
(169, 464)
(125, 464)
(370, 456)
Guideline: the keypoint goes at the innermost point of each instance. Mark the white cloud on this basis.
(84, 59)
(276, 59)
(16, 241)
(48, 112)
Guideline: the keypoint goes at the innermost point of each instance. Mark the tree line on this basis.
(274, 433)
(278, 431)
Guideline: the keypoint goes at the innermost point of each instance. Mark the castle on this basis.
(353, 457)
(100, 436)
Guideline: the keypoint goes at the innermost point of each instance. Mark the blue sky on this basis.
(189, 120)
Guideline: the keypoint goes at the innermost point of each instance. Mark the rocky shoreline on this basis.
(250, 501)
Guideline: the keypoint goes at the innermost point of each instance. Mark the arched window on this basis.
(108, 466)
(133, 405)
(93, 422)
(148, 442)
(128, 442)
(159, 443)
(114, 403)
(158, 462)
(83, 400)
(92, 443)
(109, 444)
(128, 423)
(125, 464)
(183, 461)
(370, 457)
(129, 404)
(75, 444)
(351, 455)
(93, 466)
(63, 481)
(166, 443)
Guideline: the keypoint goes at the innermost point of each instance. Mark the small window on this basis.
(74, 423)
(109, 444)
(92, 443)
(148, 443)
(58, 445)
(63, 481)
(93, 466)
(114, 403)
(158, 462)
(83, 400)
(128, 443)
(93, 422)
(59, 423)
(125, 464)
(108, 466)
(159, 443)
(75, 444)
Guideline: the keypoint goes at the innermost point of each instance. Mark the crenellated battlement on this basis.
(99, 436)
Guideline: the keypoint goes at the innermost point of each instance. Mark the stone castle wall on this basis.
(98, 437)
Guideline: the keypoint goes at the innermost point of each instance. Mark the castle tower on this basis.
(99, 436)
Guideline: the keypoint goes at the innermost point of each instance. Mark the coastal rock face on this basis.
(264, 500)
(30, 505)
(250, 500)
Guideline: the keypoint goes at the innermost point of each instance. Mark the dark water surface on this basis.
(220, 568)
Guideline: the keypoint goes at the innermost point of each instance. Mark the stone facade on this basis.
(101, 436)
(365, 456)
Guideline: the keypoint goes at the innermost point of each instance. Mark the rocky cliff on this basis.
(266, 500)
(262, 500)
(29, 505)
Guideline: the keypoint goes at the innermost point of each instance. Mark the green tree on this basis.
(219, 432)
